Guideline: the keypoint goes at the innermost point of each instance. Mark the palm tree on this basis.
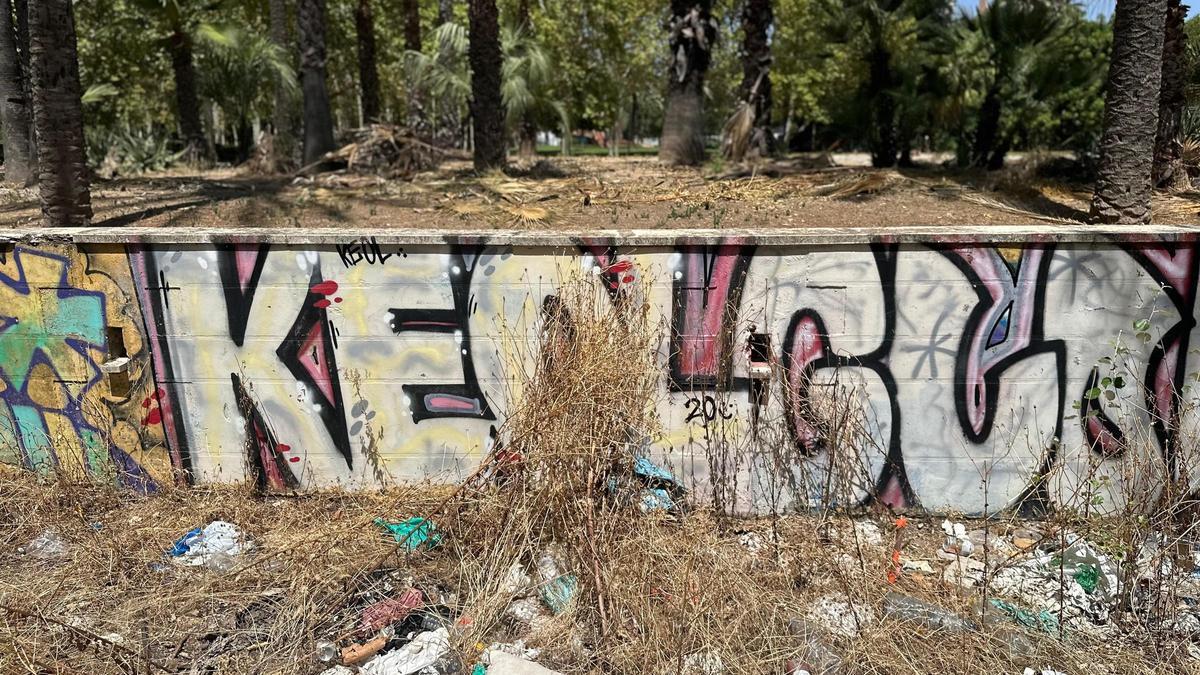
(526, 73)
(58, 114)
(236, 65)
(526, 76)
(487, 113)
(445, 78)
(692, 33)
(1168, 167)
(368, 72)
(318, 120)
(1123, 185)
(1013, 34)
(283, 117)
(14, 108)
(177, 19)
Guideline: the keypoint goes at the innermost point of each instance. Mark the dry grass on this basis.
(672, 588)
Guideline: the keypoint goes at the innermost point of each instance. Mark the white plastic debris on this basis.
(504, 663)
(918, 566)
(338, 670)
(46, 546)
(424, 651)
(838, 616)
(215, 546)
(529, 611)
(868, 532)
(957, 540)
(516, 581)
(752, 542)
(517, 649)
(964, 572)
(702, 663)
(1038, 580)
(1044, 671)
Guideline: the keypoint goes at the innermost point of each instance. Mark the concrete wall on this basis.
(992, 368)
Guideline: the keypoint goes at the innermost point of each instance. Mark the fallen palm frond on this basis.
(526, 214)
(999, 205)
(856, 186)
(735, 139)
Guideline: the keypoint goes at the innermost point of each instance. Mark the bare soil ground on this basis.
(591, 192)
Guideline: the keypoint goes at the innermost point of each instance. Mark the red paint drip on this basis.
(159, 393)
(619, 267)
(293, 458)
(282, 447)
(338, 299)
(327, 287)
(321, 304)
(146, 402)
(628, 278)
(153, 417)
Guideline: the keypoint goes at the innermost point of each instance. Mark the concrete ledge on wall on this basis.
(925, 234)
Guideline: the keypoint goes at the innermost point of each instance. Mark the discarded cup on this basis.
(326, 651)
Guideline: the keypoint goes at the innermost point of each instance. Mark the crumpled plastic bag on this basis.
(412, 533)
(422, 652)
(214, 545)
(46, 546)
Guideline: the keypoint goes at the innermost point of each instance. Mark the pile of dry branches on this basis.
(388, 151)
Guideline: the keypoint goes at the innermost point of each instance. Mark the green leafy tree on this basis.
(1012, 36)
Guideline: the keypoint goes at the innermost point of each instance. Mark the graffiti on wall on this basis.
(63, 318)
(986, 372)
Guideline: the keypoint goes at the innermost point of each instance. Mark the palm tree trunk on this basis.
(412, 25)
(318, 120)
(445, 11)
(14, 108)
(283, 117)
(527, 129)
(487, 106)
(1168, 168)
(883, 108)
(1123, 186)
(187, 101)
(757, 16)
(692, 36)
(22, 7)
(368, 72)
(244, 135)
(988, 127)
(417, 117)
(58, 114)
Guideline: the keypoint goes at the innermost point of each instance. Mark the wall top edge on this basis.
(990, 234)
